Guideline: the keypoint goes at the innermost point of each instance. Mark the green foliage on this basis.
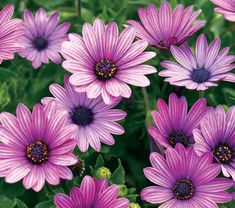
(19, 82)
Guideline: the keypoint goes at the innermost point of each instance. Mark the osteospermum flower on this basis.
(92, 193)
(202, 70)
(217, 136)
(164, 27)
(173, 124)
(95, 121)
(226, 8)
(10, 31)
(43, 37)
(36, 147)
(104, 62)
(184, 179)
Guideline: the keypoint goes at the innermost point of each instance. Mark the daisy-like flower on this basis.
(226, 8)
(10, 32)
(217, 136)
(104, 62)
(92, 193)
(95, 121)
(36, 147)
(164, 27)
(173, 124)
(200, 70)
(185, 180)
(43, 37)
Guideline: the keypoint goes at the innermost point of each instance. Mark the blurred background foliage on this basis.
(19, 82)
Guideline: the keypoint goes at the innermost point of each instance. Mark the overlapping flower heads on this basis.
(102, 62)
(197, 144)
(185, 179)
(173, 124)
(217, 136)
(95, 120)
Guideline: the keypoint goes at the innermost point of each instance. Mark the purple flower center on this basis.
(183, 189)
(37, 152)
(105, 70)
(82, 116)
(40, 43)
(200, 75)
(178, 137)
(223, 153)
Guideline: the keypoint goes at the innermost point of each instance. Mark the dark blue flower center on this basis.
(37, 152)
(183, 189)
(105, 70)
(223, 153)
(178, 137)
(40, 43)
(200, 75)
(82, 116)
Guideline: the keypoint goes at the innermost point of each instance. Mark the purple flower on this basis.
(202, 70)
(104, 62)
(173, 124)
(95, 121)
(43, 37)
(92, 193)
(226, 8)
(164, 27)
(185, 180)
(36, 147)
(10, 31)
(217, 136)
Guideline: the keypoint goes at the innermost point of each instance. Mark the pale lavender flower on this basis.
(200, 70)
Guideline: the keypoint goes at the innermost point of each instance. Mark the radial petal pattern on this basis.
(185, 180)
(217, 136)
(36, 147)
(95, 121)
(202, 69)
(92, 193)
(164, 27)
(173, 123)
(43, 37)
(102, 62)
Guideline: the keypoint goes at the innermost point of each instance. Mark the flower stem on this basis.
(146, 100)
(201, 94)
(78, 4)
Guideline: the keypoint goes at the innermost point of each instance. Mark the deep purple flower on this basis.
(95, 121)
(226, 8)
(173, 124)
(10, 31)
(36, 147)
(104, 62)
(92, 193)
(185, 180)
(200, 70)
(43, 37)
(164, 27)
(217, 136)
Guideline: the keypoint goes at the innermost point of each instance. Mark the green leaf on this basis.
(118, 176)
(21, 204)
(6, 202)
(4, 96)
(44, 204)
(99, 162)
